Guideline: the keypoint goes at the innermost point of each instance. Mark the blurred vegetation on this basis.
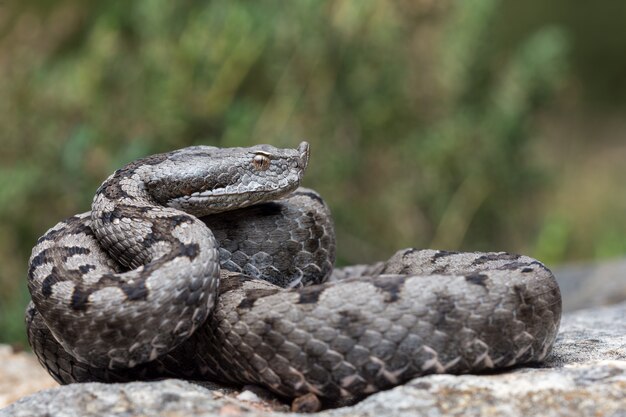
(432, 123)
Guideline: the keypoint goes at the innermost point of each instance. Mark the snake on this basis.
(214, 264)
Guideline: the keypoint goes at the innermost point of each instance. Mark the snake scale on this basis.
(211, 263)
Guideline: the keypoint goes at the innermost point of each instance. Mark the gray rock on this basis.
(584, 376)
(592, 285)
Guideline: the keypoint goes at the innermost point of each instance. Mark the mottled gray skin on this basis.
(366, 329)
(136, 276)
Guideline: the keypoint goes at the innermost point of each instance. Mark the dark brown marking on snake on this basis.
(31, 312)
(86, 268)
(311, 195)
(179, 219)
(47, 256)
(133, 292)
(51, 235)
(120, 211)
(512, 266)
(80, 228)
(253, 295)
(310, 295)
(40, 259)
(113, 189)
(233, 282)
(72, 226)
(350, 321)
(190, 251)
(49, 281)
(445, 308)
(80, 299)
(162, 232)
(137, 291)
(444, 253)
(522, 293)
(108, 280)
(266, 209)
(133, 212)
(391, 286)
(504, 256)
(74, 250)
(477, 279)
(110, 216)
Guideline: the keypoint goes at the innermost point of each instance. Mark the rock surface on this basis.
(20, 375)
(584, 376)
(592, 285)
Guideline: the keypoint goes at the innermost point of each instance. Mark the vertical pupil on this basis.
(261, 161)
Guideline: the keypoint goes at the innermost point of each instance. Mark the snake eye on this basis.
(261, 162)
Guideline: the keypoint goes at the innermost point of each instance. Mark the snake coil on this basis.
(210, 263)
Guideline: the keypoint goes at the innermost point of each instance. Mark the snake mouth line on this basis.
(286, 184)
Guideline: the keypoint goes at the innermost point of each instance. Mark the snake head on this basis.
(203, 180)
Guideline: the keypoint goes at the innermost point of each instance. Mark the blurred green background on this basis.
(469, 125)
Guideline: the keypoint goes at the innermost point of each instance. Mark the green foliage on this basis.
(422, 135)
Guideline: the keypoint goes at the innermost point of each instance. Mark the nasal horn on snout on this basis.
(305, 152)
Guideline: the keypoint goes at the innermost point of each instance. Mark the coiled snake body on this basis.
(131, 290)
